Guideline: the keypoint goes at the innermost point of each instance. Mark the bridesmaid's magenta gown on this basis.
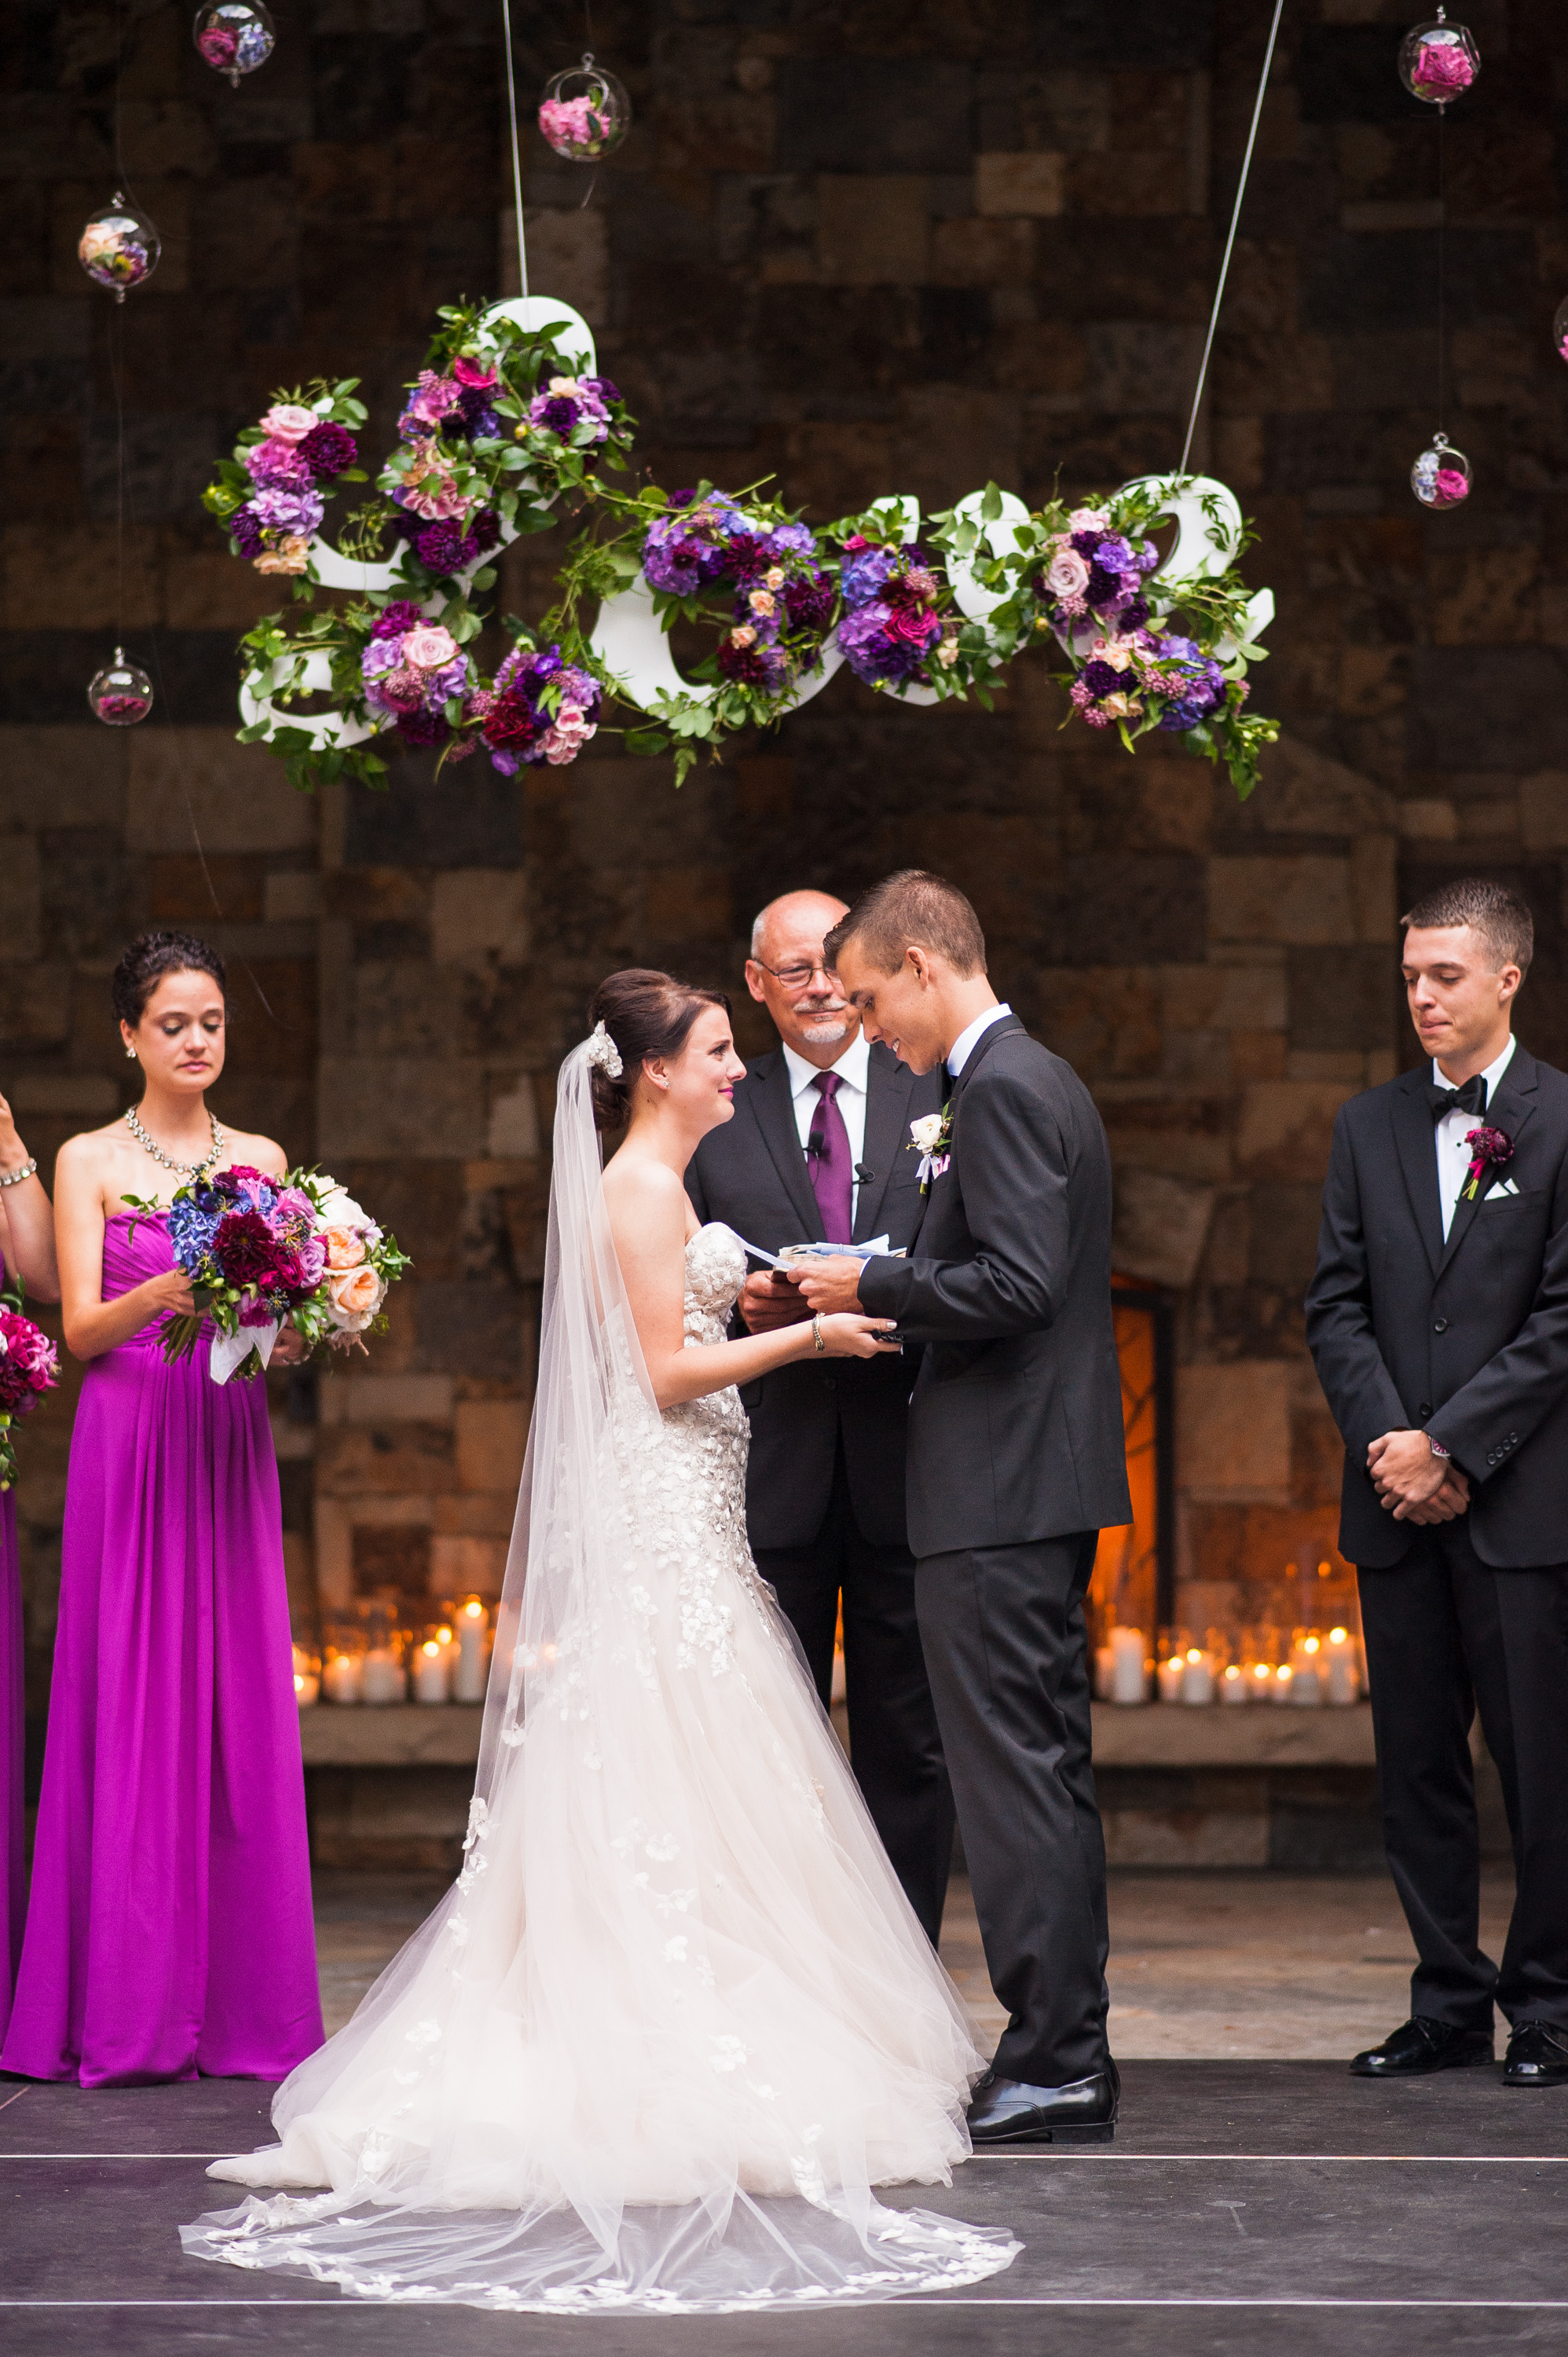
(13, 1881)
(169, 1929)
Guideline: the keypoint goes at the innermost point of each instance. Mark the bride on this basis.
(675, 2019)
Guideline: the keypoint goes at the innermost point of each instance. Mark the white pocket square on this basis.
(1504, 1186)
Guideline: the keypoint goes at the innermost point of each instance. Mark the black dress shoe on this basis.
(1537, 2056)
(1006, 2112)
(1422, 2044)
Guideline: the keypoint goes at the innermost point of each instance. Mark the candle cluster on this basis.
(370, 1660)
(1312, 1667)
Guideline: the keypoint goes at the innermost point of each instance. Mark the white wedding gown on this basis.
(675, 2020)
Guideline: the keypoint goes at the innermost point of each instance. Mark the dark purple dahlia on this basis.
(392, 620)
(245, 525)
(327, 449)
(423, 729)
(440, 546)
(808, 603)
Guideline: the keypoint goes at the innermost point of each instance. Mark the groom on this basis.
(1015, 1462)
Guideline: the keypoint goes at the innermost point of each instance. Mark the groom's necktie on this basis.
(1471, 1098)
(832, 1168)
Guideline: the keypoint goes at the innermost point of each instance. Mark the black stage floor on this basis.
(1278, 2207)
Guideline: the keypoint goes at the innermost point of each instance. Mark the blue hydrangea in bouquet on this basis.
(29, 1366)
(262, 1252)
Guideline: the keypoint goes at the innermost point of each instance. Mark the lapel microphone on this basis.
(864, 1173)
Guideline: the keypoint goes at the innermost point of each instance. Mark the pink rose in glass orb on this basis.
(1442, 66)
(285, 421)
(429, 647)
(1066, 575)
(1451, 486)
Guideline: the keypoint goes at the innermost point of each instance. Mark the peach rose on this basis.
(345, 1248)
(291, 555)
(353, 1296)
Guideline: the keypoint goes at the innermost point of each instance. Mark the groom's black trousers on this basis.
(1007, 1650)
(1448, 1635)
(895, 1749)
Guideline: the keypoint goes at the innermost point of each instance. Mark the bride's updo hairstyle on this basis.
(645, 1014)
(144, 962)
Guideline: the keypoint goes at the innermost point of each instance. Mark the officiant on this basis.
(816, 1152)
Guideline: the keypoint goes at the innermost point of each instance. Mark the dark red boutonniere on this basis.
(1490, 1148)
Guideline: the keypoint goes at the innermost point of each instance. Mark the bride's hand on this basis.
(848, 1337)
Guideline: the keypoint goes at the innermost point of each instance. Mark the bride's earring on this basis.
(131, 1053)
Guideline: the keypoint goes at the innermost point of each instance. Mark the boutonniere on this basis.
(928, 1138)
(1491, 1149)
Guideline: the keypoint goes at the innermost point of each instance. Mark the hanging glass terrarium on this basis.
(119, 247)
(1441, 476)
(235, 36)
(585, 113)
(121, 693)
(1438, 61)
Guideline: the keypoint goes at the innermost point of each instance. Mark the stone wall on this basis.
(872, 250)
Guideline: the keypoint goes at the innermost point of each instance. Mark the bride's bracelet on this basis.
(817, 1337)
(14, 1178)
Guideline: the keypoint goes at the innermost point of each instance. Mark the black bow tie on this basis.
(1471, 1098)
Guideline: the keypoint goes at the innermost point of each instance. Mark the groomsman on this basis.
(815, 1153)
(1438, 1321)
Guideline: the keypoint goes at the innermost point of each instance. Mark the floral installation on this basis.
(263, 1251)
(493, 429)
(29, 1366)
(498, 426)
(1491, 1151)
(930, 1137)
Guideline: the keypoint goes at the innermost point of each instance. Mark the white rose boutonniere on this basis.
(929, 1139)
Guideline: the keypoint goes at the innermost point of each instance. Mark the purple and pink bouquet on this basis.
(1094, 573)
(273, 493)
(29, 1366)
(894, 623)
(537, 710)
(413, 669)
(1148, 678)
(260, 1251)
(758, 574)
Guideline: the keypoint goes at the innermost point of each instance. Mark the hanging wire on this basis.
(516, 158)
(1442, 270)
(1230, 241)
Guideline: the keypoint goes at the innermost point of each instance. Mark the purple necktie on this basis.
(833, 1171)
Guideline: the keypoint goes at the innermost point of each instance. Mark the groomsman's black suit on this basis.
(824, 1490)
(1469, 1340)
(1015, 1462)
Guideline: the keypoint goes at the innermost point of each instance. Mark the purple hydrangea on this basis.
(684, 551)
(245, 526)
(865, 575)
(282, 510)
(562, 413)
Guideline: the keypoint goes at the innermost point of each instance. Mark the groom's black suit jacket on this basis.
(1016, 1429)
(1467, 1339)
(752, 1175)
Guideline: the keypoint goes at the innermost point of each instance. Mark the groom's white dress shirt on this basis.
(963, 1046)
(1454, 1157)
(853, 1071)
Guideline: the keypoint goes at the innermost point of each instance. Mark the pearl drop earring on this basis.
(131, 1053)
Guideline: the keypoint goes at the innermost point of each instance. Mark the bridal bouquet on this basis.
(262, 1252)
(29, 1366)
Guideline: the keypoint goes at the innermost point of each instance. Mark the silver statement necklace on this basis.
(180, 1169)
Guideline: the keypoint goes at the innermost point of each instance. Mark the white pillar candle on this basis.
(1197, 1675)
(1129, 1667)
(469, 1677)
(1168, 1676)
(1284, 1679)
(382, 1680)
(1234, 1684)
(432, 1672)
(1342, 1671)
(306, 1679)
(342, 1680)
(1306, 1684)
(1260, 1682)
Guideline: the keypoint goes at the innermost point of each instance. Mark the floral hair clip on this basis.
(602, 1051)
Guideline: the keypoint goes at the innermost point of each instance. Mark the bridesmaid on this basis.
(27, 1248)
(169, 1931)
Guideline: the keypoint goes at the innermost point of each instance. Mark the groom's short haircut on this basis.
(1500, 914)
(913, 909)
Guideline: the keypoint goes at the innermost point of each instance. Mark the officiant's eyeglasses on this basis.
(795, 977)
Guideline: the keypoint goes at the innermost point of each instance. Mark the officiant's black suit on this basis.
(824, 1485)
(1469, 1340)
(1015, 1463)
